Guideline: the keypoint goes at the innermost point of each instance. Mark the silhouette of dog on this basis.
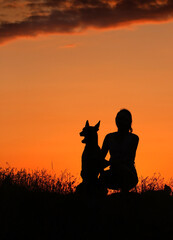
(92, 161)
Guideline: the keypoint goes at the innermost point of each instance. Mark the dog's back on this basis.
(91, 163)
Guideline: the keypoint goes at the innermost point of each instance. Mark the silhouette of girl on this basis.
(122, 147)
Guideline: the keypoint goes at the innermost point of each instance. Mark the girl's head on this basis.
(124, 121)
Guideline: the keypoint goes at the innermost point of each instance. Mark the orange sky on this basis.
(50, 85)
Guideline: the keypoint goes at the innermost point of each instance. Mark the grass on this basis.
(38, 205)
(40, 181)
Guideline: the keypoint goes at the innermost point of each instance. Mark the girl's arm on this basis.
(130, 155)
(105, 147)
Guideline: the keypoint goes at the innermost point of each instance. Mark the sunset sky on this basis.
(64, 62)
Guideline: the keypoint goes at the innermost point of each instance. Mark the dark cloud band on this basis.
(71, 16)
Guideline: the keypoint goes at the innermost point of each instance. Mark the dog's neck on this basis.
(92, 144)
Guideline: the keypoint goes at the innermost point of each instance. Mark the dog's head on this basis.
(90, 133)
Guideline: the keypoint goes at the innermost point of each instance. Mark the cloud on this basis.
(72, 45)
(74, 16)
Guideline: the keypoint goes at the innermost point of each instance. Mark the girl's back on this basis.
(122, 147)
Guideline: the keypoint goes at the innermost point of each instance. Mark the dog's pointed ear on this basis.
(87, 124)
(97, 126)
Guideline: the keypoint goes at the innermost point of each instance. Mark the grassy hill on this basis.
(37, 205)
